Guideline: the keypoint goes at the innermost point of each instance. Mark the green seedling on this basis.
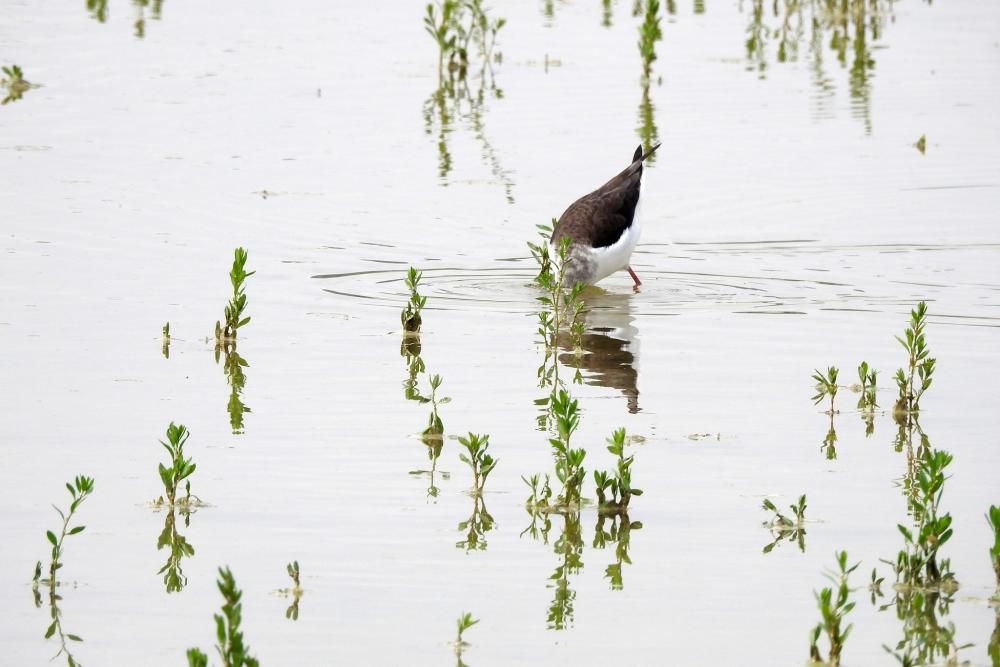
(231, 647)
(479, 460)
(783, 527)
(869, 380)
(15, 83)
(541, 492)
(649, 34)
(165, 349)
(174, 578)
(455, 25)
(563, 312)
(410, 316)
(79, 490)
(179, 469)
(476, 526)
(233, 315)
(540, 251)
(295, 592)
(569, 461)
(875, 585)
(620, 534)
(826, 385)
(439, 23)
(614, 489)
(921, 144)
(993, 518)
(435, 427)
(464, 622)
(916, 378)
(834, 604)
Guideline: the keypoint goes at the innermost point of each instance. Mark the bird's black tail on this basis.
(638, 156)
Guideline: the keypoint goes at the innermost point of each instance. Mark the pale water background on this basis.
(790, 224)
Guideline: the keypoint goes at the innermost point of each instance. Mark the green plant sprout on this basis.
(464, 622)
(476, 526)
(619, 533)
(231, 647)
(783, 527)
(234, 319)
(875, 585)
(921, 144)
(173, 574)
(569, 461)
(453, 25)
(14, 82)
(295, 591)
(479, 460)
(410, 316)
(619, 481)
(180, 467)
(435, 427)
(541, 492)
(826, 385)
(834, 604)
(649, 34)
(869, 381)
(166, 341)
(993, 518)
(79, 490)
(916, 378)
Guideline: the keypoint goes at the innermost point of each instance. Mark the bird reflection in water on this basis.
(610, 345)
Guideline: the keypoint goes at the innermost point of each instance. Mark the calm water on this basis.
(791, 224)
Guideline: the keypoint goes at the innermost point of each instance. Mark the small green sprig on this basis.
(783, 527)
(180, 467)
(569, 461)
(233, 314)
(993, 518)
(916, 378)
(292, 613)
(165, 349)
(79, 490)
(478, 459)
(410, 316)
(834, 604)
(869, 381)
(14, 82)
(464, 622)
(826, 385)
(541, 492)
(617, 483)
(231, 647)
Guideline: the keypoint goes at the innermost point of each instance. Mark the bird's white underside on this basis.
(616, 257)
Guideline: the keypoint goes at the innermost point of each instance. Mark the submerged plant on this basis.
(618, 482)
(233, 367)
(869, 380)
(79, 490)
(916, 378)
(826, 385)
(783, 527)
(435, 427)
(619, 533)
(569, 547)
(233, 315)
(292, 613)
(479, 460)
(173, 574)
(231, 647)
(476, 526)
(834, 604)
(180, 467)
(410, 317)
(541, 492)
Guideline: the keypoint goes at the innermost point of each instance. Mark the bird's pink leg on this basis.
(634, 277)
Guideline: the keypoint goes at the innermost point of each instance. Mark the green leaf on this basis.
(74, 531)
(52, 537)
(51, 631)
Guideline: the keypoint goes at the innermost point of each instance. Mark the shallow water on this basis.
(790, 224)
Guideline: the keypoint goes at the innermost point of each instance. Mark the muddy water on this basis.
(790, 224)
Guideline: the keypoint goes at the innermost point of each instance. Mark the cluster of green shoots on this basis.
(225, 334)
(569, 461)
(869, 381)
(617, 483)
(179, 468)
(785, 527)
(916, 378)
(918, 565)
(826, 385)
(15, 83)
(231, 647)
(461, 28)
(463, 623)
(649, 34)
(295, 591)
(478, 459)
(80, 489)
(410, 316)
(834, 604)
